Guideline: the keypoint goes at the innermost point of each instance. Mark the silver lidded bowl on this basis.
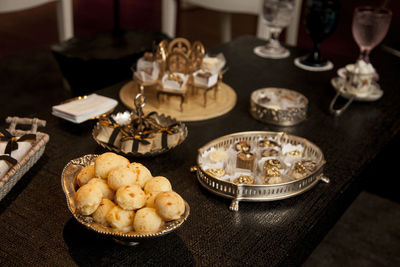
(278, 106)
(69, 186)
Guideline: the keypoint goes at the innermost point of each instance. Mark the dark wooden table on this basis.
(36, 228)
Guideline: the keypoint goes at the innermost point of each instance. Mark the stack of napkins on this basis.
(84, 109)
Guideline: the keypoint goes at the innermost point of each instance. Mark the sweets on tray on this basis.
(259, 161)
(120, 197)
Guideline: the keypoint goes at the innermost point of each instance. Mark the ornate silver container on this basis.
(260, 192)
(164, 120)
(262, 108)
(130, 238)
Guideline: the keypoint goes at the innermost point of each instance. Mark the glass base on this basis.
(302, 63)
(275, 53)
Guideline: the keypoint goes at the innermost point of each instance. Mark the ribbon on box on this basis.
(116, 134)
(8, 159)
(136, 143)
(12, 141)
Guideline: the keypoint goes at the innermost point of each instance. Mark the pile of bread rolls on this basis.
(125, 196)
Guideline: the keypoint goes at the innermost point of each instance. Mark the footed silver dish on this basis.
(260, 192)
(130, 238)
(263, 109)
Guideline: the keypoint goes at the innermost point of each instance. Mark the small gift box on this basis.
(147, 69)
(19, 150)
(13, 148)
(205, 78)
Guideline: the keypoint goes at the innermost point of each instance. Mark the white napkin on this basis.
(23, 148)
(83, 109)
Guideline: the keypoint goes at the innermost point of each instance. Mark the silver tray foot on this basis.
(324, 179)
(234, 205)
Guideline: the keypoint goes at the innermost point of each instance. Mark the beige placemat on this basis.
(193, 107)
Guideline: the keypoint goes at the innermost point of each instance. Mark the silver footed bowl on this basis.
(163, 120)
(129, 238)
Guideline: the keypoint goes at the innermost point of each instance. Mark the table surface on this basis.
(38, 229)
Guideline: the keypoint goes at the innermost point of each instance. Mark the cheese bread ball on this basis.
(105, 189)
(87, 199)
(101, 212)
(150, 197)
(142, 173)
(147, 221)
(121, 219)
(121, 176)
(106, 162)
(84, 175)
(169, 205)
(130, 197)
(158, 183)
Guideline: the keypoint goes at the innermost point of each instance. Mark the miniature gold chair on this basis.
(177, 62)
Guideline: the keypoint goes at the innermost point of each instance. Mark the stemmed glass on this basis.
(277, 14)
(370, 26)
(321, 21)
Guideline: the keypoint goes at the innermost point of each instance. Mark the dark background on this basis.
(34, 28)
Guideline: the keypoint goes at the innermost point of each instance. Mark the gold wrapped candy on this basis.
(269, 153)
(244, 179)
(309, 165)
(294, 153)
(272, 163)
(267, 143)
(216, 172)
(175, 77)
(242, 146)
(299, 171)
(272, 172)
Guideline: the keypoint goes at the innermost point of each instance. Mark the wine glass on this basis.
(321, 20)
(370, 26)
(277, 15)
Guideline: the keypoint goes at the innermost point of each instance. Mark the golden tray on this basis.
(129, 238)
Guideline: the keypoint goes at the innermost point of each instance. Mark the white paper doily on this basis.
(257, 51)
(328, 66)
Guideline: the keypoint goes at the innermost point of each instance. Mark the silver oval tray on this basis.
(130, 238)
(167, 120)
(261, 192)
